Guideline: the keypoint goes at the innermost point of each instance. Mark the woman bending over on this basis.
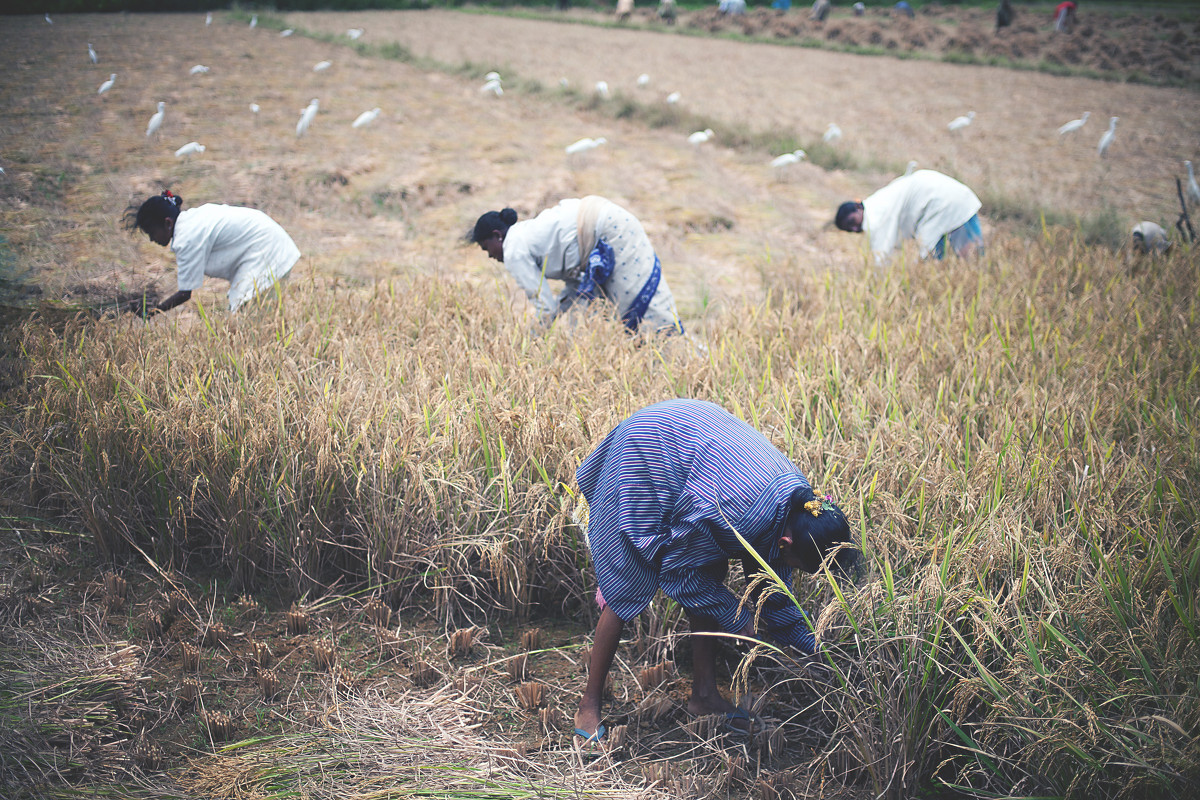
(593, 245)
(240, 245)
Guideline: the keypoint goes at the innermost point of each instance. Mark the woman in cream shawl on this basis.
(593, 246)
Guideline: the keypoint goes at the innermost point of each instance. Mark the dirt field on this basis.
(396, 195)
(1160, 47)
(890, 110)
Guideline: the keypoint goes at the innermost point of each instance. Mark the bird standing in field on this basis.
(92, 53)
(602, 89)
(189, 149)
(286, 32)
(354, 33)
(208, 19)
(583, 145)
(787, 159)
(48, 20)
(365, 118)
(1074, 124)
(254, 22)
(306, 117)
(700, 137)
(673, 98)
(832, 134)
(958, 123)
(156, 121)
(254, 108)
(1107, 139)
(321, 66)
(643, 80)
(199, 69)
(1193, 189)
(108, 84)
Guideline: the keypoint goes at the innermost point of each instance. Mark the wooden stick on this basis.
(1190, 234)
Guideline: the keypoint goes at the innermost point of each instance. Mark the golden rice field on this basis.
(325, 548)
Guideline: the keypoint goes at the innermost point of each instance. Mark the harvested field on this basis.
(890, 110)
(325, 547)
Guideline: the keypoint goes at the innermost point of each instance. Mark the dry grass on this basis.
(1015, 438)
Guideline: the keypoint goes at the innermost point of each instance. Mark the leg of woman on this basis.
(604, 648)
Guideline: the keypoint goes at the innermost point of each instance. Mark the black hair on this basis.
(817, 537)
(843, 214)
(152, 212)
(492, 221)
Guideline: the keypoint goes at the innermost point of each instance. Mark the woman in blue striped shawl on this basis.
(665, 490)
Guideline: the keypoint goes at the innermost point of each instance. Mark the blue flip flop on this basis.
(739, 715)
(590, 738)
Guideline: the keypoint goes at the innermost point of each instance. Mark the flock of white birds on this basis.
(307, 114)
(493, 85)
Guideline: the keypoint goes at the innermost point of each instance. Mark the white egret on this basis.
(254, 108)
(208, 18)
(700, 137)
(832, 134)
(1107, 139)
(563, 82)
(643, 80)
(365, 118)
(910, 168)
(199, 69)
(254, 22)
(674, 97)
(492, 86)
(321, 66)
(156, 121)
(92, 53)
(306, 117)
(583, 145)
(286, 32)
(492, 76)
(354, 33)
(602, 89)
(787, 159)
(108, 84)
(189, 149)
(1074, 124)
(1193, 189)
(48, 20)
(958, 123)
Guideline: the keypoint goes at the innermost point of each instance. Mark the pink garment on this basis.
(600, 600)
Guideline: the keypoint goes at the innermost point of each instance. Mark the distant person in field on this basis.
(594, 246)
(1064, 17)
(667, 11)
(665, 491)
(927, 206)
(732, 7)
(820, 10)
(624, 10)
(1004, 14)
(240, 245)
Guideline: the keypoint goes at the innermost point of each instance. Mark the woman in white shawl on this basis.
(595, 247)
(927, 206)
